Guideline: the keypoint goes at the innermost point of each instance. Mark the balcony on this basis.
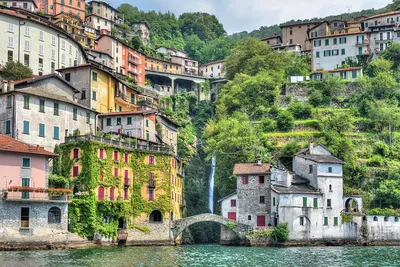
(362, 42)
(377, 41)
(152, 183)
(35, 197)
(127, 182)
(133, 61)
(133, 71)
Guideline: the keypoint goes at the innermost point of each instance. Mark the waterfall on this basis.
(211, 184)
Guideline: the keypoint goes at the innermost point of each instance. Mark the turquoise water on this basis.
(207, 255)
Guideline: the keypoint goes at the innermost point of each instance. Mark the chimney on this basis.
(259, 162)
(37, 147)
(5, 86)
(310, 147)
(11, 86)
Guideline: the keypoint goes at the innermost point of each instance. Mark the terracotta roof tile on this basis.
(251, 168)
(11, 145)
(121, 113)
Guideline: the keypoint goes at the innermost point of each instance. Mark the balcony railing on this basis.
(134, 146)
(127, 182)
(35, 197)
(133, 61)
(362, 42)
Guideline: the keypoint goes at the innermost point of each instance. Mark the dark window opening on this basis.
(54, 215)
(155, 216)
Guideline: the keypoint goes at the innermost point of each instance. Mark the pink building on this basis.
(27, 203)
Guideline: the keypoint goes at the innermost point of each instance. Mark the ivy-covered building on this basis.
(122, 185)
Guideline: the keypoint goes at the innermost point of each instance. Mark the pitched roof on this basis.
(383, 15)
(104, 3)
(295, 189)
(225, 197)
(122, 113)
(44, 77)
(321, 158)
(251, 168)
(339, 70)
(11, 145)
(298, 23)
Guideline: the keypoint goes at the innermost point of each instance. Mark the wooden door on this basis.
(260, 221)
(232, 216)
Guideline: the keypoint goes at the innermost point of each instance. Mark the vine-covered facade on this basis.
(120, 188)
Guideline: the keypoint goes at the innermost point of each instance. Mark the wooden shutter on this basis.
(260, 221)
(75, 171)
(232, 216)
(100, 193)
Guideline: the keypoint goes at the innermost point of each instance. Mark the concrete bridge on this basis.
(240, 230)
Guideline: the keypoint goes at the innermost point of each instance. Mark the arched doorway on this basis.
(351, 205)
(54, 215)
(155, 216)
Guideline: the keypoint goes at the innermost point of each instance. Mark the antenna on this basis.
(349, 8)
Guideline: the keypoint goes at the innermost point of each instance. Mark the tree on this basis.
(300, 111)
(284, 121)
(298, 65)
(205, 26)
(16, 71)
(194, 47)
(217, 49)
(137, 43)
(251, 56)
(392, 53)
(339, 122)
(378, 66)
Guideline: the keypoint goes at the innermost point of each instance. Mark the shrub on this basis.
(316, 99)
(230, 225)
(300, 110)
(260, 233)
(381, 149)
(281, 232)
(375, 161)
(268, 125)
(284, 121)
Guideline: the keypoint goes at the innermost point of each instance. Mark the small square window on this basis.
(26, 162)
(329, 169)
(233, 202)
(249, 217)
(329, 203)
(262, 199)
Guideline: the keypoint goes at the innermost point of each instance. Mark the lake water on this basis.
(207, 255)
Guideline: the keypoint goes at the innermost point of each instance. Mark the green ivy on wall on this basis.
(87, 214)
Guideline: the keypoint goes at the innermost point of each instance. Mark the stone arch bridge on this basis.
(178, 226)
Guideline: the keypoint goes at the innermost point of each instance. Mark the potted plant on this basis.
(5, 194)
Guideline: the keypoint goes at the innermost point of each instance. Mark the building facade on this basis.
(213, 69)
(34, 212)
(29, 5)
(349, 74)
(189, 66)
(296, 33)
(43, 111)
(37, 43)
(73, 7)
(171, 52)
(102, 16)
(273, 40)
(156, 64)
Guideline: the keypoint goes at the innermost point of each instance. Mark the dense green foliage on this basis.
(13, 70)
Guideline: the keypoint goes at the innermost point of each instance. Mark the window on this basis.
(126, 157)
(68, 77)
(75, 171)
(147, 123)
(326, 41)
(132, 99)
(342, 40)
(108, 121)
(129, 120)
(26, 30)
(329, 203)
(232, 216)
(317, 43)
(115, 172)
(354, 74)
(10, 42)
(41, 50)
(83, 95)
(75, 114)
(126, 193)
(262, 199)
(26, 162)
(40, 35)
(315, 203)
(100, 193)
(101, 153)
(327, 53)
(245, 180)
(325, 220)
(317, 54)
(53, 54)
(343, 51)
(335, 52)
(62, 58)
(273, 201)
(87, 117)
(94, 95)
(24, 217)
(116, 155)
(53, 40)
(249, 217)
(10, 27)
(291, 32)
(310, 168)
(27, 46)
(335, 41)
(233, 202)
(41, 105)
(301, 221)
(26, 127)
(56, 109)
(56, 134)
(329, 169)
(10, 56)
(118, 121)
(79, 4)
(41, 130)
(151, 193)
(8, 126)
(304, 202)
(151, 159)
(261, 179)
(335, 221)
(9, 101)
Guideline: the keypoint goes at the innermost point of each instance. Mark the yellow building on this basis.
(75, 26)
(155, 64)
(144, 186)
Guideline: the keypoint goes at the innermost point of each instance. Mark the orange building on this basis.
(127, 61)
(53, 7)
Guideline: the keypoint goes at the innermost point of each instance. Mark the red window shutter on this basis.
(126, 174)
(151, 194)
(100, 193)
(260, 179)
(260, 221)
(152, 176)
(151, 159)
(111, 193)
(76, 153)
(101, 174)
(126, 157)
(115, 172)
(101, 153)
(244, 180)
(75, 171)
(116, 155)
(232, 216)
(233, 202)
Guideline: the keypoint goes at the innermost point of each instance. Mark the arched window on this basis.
(54, 215)
(155, 216)
(386, 219)
(364, 218)
(375, 219)
(100, 193)
(396, 219)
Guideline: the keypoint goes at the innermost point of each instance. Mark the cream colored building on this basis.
(29, 5)
(37, 43)
(102, 16)
(213, 69)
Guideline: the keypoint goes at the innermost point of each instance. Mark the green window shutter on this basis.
(56, 134)
(335, 221)
(108, 122)
(25, 182)
(326, 41)
(94, 76)
(315, 202)
(273, 201)
(8, 127)
(343, 51)
(147, 136)
(129, 120)
(26, 127)
(335, 41)
(41, 129)
(325, 220)
(9, 101)
(26, 162)
(304, 202)
(147, 123)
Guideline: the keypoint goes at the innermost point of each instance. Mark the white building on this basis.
(37, 43)
(213, 69)
(42, 111)
(171, 52)
(29, 5)
(229, 206)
